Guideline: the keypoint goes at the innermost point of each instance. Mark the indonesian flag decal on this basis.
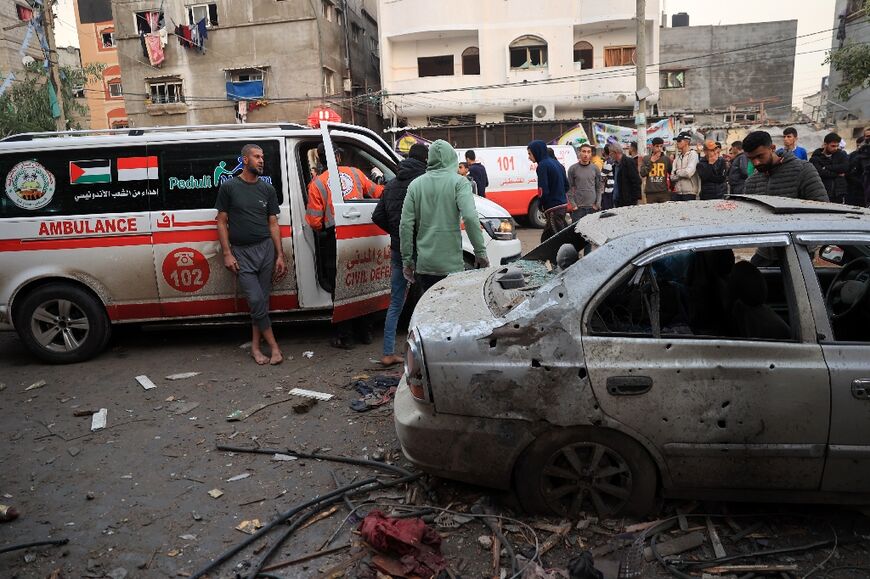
(137, 168)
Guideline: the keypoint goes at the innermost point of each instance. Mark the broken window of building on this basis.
(583, 54)
(328, 11)
(115, 89)
(246, 83)
(107, 38)
(672, 79)
(373, 45)
(471, 60)
(148, 21)
(714, 293)
(435, 65)
(355, 32)
(619, 56)
(207, 12)
(328, 81)
(528, 52)
(165, 91)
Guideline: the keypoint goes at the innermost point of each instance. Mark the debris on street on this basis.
(183, 375)
(98, 421)
(7, 513)
(239, 477)
(406, 544)
(304, 405)
(311, 394)
(249, 527)
(308, 354)
(375, 392)
(36, 385)
(215, 494)
(145, 382)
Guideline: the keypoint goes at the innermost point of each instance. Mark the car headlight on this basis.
(415, 368)
(500, 228)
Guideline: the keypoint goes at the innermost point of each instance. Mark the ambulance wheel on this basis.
(536, 216)
(61, 323)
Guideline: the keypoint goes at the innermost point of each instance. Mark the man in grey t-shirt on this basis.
(250, 238)
(585, 185)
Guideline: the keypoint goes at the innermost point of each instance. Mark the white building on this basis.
(478, 61)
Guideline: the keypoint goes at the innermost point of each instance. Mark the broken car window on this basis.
(843, 272)
(711, 293)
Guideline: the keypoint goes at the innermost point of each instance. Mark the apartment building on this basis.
(852, 25)
(457, 63)
(256, 61)
(16, 43)
(104, 95)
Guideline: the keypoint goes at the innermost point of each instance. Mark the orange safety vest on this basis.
(320, 213)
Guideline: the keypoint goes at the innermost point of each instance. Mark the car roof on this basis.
(739, 214)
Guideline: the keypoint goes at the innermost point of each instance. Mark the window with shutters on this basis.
(619, 56)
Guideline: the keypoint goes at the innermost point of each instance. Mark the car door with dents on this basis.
(713, 362)
(188, 259)
(837, 271)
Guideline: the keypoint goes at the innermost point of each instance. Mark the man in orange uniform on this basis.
(354, 185)
(320, 215)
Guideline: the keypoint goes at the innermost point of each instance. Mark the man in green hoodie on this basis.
(431, 240)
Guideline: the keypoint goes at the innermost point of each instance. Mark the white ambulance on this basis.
(101, 228)
(513, 183)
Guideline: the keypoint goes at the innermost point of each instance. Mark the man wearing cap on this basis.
(684, 176)
(655, 169)
(713, 172)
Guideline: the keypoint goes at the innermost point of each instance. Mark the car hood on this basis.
(458, 300)
(487, 208)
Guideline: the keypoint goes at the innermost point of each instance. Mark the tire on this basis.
(536, 216)
(61, 323)
(628, 485)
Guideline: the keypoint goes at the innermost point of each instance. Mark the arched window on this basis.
(471, 60)
(528, 52)
(583, 54)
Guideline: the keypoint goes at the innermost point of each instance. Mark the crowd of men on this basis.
(704, 171)
(422, 207)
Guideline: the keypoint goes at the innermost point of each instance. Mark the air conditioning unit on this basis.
(543, 112)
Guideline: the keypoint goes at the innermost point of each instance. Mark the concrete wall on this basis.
(10, 41)
(104, 108)
(416, 28)
(857, 108)
(719, 74)
(291, 41)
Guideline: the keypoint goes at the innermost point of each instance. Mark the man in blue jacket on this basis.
(552, 188)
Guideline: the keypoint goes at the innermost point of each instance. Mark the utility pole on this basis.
(53, 65)
(640, 69)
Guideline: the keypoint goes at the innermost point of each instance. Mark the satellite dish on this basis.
(27, 60)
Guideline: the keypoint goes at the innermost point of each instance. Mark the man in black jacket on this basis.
(626, 179)
(832, 163)
(855, 177)
(387, 216)
(713, 172)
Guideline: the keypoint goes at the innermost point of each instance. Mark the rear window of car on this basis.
(78, 181)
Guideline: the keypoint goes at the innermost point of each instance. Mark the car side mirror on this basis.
(831, 254)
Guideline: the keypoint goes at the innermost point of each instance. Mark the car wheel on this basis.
(61, 323)
(585, 469)
(536, 216)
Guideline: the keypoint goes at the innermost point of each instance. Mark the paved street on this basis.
(134, 497)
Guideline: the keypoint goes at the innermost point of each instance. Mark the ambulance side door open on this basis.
(191, 277)
(362, 283)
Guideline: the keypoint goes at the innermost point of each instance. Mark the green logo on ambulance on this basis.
(30, 185)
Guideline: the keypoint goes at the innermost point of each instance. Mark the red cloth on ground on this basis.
(417, 545)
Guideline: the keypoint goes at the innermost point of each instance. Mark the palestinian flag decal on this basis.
(88, 172)
(137, 168)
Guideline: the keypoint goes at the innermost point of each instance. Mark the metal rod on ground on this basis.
(304, 558)
(372, 483)
(392, 469)
(56, 542)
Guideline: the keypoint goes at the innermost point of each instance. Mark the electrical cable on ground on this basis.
(57, 542)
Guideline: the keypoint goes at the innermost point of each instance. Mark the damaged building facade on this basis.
(258, 61)
(522, 55)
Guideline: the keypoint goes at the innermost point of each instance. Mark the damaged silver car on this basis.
(705, 349)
